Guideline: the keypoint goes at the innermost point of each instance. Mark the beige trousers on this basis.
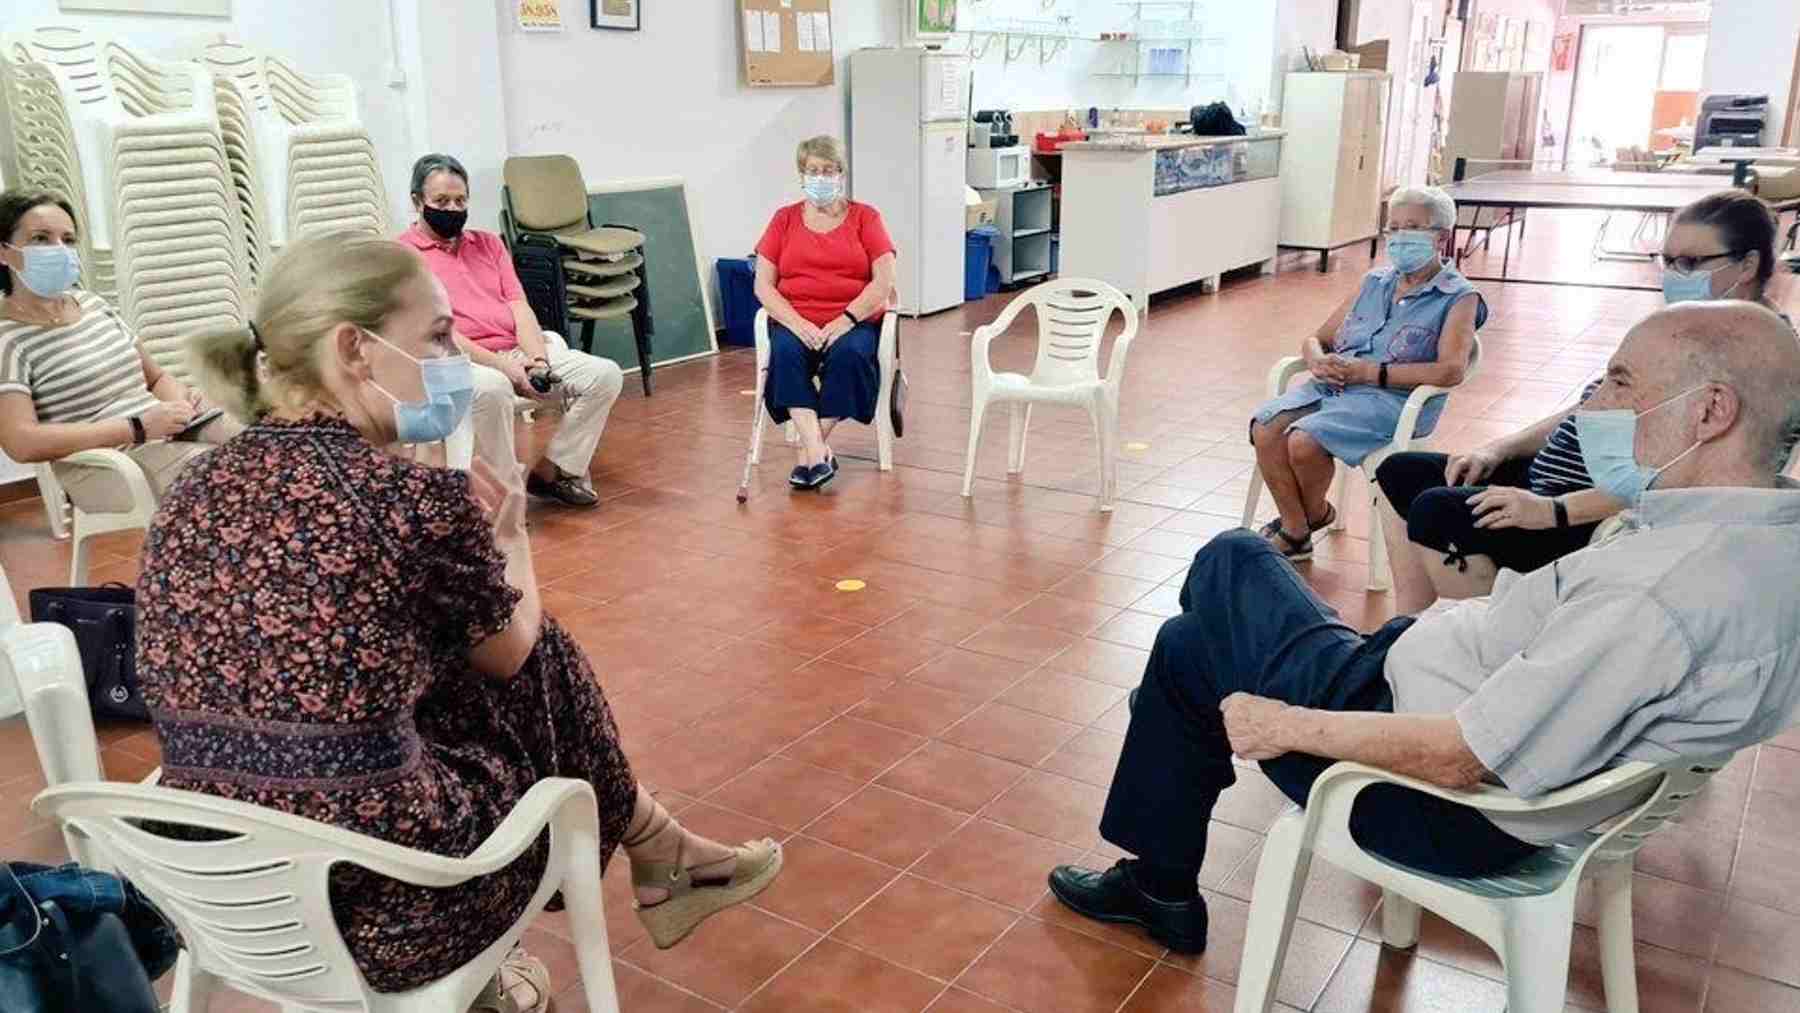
(593, 385)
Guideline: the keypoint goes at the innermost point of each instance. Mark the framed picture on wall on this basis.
(623, 15)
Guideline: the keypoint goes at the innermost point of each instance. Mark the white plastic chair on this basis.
(254, 910)
(10, 701)
(1526, 914)
(887, 360)
(1292, 368)
(80, 525)
(1072, 315)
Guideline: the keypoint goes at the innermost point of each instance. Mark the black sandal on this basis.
(1295, 550)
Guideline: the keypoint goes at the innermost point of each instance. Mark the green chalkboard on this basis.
(659, 209)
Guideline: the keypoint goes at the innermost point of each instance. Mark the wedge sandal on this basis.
(689, 903)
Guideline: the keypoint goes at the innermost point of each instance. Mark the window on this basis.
(1684, 56)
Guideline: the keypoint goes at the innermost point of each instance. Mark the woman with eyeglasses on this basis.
(1411, 323)
(1524, 500)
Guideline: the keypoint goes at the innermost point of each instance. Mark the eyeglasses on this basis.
(1688, 265)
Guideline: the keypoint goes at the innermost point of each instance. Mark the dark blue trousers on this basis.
(849, 379)
(1250, 624)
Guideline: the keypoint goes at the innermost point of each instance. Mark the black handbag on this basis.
(57, 959)
(104, 621)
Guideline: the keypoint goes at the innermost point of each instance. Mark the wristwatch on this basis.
(1381, 376)
(1562, 512)
(138, 436)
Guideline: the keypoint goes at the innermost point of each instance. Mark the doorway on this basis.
(1637, 91)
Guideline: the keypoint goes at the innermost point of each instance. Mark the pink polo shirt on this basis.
(477, 271)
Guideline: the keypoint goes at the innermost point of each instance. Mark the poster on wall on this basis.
(624, 15)
(936, 17)
(539, 15)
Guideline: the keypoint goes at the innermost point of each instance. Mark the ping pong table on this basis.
(1517, 190)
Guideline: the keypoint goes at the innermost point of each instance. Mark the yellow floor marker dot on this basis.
(748, 393)
(850, 585)
(1137, 448)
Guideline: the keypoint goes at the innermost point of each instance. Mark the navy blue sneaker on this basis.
(823, 473)
(800, 477)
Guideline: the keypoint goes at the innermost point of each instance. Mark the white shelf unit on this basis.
(1024, 218)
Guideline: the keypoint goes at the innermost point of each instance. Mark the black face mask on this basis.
(443, 221)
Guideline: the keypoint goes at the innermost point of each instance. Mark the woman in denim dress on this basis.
(1411, 323)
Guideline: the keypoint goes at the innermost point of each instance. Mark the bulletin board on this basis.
(684, 322)
(786, 43)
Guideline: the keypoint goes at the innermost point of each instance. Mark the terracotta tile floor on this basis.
(929, 746)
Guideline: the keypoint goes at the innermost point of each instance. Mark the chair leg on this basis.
(1274, 902)
(1339, 484)
(1252, 497)
(1380, 574)
(1015, 447)
(80, 551)
(884, 442)
(1111, 456)
(1399, 921)
(1618, 962)
(977, 415)
(1103, 440)
(1535, 951)
(193, 987)
(56, 502)
(581, 892)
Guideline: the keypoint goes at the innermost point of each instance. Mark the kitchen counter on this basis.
(1151, 212)
(1163, 142)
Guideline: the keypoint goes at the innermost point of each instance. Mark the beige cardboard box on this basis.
(978, 213)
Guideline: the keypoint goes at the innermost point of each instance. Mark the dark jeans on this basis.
(849, 379)
(1250, 624)
(1438, 516)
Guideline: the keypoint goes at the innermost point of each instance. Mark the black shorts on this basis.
(1438, 516)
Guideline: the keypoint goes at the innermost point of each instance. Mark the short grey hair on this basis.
(823, 147)
(1433, 199)
(428, 164)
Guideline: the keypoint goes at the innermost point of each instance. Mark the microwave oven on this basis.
(999, 168)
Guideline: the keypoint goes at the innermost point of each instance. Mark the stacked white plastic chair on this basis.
(301, 158)
(159, 217)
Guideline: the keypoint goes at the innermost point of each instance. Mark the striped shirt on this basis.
(87, 371)
(1559, 468)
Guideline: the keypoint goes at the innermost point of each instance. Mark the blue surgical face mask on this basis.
(822, 191)
(449, 385)
(1608, 441)
(1695, 287)
(49, 271)
(1412, 249)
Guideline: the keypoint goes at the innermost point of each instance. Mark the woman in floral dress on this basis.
(335, 632)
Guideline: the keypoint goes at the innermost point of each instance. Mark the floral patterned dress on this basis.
(307, 605)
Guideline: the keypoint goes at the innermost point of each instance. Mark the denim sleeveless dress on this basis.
(1359, 420)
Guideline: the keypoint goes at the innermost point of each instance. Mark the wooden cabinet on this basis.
(1493, 118)
(1331, 169)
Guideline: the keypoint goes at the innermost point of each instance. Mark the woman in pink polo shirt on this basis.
(824, 269)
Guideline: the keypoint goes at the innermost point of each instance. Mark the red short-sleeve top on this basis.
(821, 273)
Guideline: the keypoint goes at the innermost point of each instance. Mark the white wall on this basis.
(670, 100)
(1300, 23)
(1751, 51)
(337, 36)
(1235, 69)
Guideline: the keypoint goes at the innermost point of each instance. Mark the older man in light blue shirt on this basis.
(1678, 636)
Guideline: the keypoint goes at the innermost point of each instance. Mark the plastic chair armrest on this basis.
(1115, 364)
(1346, 779)
(142, 500)
(1284, 372)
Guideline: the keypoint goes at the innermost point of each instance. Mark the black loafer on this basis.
(567, 489)
(1114, 896)
(800, 477)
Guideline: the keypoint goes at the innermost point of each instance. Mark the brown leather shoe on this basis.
(567, 489)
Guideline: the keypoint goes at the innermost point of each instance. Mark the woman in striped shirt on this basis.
(72, 376)
(1525, 500)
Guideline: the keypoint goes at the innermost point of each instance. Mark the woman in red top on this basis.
(824, 269)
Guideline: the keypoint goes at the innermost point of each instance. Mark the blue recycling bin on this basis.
(978, 253)
(737, 299)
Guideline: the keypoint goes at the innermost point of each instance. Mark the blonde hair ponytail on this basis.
(317, 284)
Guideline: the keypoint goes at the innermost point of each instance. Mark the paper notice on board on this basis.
(771, 31)
(803, 25)
(753, 33)
(821, 30)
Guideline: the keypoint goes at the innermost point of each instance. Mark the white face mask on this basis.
(822, 191)
(48, 271)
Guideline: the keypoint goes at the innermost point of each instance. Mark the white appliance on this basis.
(999, 168)
(908, 139)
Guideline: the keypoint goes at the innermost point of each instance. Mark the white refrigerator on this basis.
(908, 158)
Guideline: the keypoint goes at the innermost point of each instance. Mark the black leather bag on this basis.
(897, 396)
(56, 960)
(104, 621)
